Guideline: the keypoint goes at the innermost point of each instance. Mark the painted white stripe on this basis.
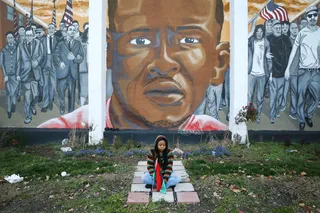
(285, 13)
(271, 13)
(68, 7)
(264, 15)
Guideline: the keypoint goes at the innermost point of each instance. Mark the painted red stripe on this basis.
(285, 13)
(278, 15)
(264, 14)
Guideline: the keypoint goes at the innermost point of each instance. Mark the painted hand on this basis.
(6, 79)
(70, 56)
(35, 63)
(18, 78)
(287, 74)
(270, 79)
(62, 65)
(269, 55)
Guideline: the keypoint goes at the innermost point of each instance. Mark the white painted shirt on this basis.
(258, 58)
(308, 41)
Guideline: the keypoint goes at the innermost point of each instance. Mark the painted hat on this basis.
(311, 8)
(275, 22)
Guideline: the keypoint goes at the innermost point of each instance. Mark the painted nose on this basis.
(163, 64)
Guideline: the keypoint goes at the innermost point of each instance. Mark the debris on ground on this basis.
(13, 178)
(66, 149)
(64, 174)
(65, 141)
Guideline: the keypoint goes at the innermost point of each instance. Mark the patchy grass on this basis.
(265, 178)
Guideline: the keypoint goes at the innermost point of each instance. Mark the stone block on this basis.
(184, 187)
(137, 180)
(139, 188)
(138, 174)
(177, 163)
(181, 173)
(141, 169)
(187, 180)
(142, 163)
(168, 190)
(138, 198)
(157, 196)
(178, 168)
(188, 197)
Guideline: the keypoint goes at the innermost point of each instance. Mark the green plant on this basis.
(130, 144)
(117, 142)
(9, 137)
(105, 143)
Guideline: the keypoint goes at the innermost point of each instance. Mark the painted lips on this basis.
(164, 93)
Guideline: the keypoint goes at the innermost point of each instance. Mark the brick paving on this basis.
(181, 193)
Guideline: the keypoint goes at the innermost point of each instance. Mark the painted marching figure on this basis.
(48, 69)
(83, 69)
(29, 56)
(9, 70)
(259, 66)
(280, 50)
(67, 56)
(308, 41)
(292, 83)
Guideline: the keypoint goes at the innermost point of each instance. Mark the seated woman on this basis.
(159, 165)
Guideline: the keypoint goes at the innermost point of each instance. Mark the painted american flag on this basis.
(68, 14)
(54, 21)
(30, 17)
(15, 20)
(274, 11)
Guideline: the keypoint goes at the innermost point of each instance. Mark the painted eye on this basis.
(140, 41)
(189, 41)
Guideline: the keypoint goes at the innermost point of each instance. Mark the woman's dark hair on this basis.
(85, 36)
(260, 26)
(164, 153)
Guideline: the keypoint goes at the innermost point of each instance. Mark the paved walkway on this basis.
(181, 193)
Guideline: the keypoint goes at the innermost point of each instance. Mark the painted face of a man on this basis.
(276, 30)
(64, 31)
(312, 18)
(29, 35)
(269, 27)
(22, 32)
(51, 29)
(62, 25)
(284, 29)
(71, 31)
(10, 39)
(39, 33)
(303, 24)
(294, 29)
(163, 65)
(76, 26)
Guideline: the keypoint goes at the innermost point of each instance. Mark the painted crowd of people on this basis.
(37, 65)
(283, 57)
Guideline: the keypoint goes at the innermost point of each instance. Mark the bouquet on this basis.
(246, 114)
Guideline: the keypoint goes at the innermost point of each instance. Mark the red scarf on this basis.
(158, 176)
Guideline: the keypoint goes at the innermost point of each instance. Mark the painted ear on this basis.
(109, 49)
(223, 51)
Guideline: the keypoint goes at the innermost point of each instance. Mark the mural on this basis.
(284, 65)
(44, 70)
(167, 71)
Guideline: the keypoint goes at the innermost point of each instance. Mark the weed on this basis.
(117, 142)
